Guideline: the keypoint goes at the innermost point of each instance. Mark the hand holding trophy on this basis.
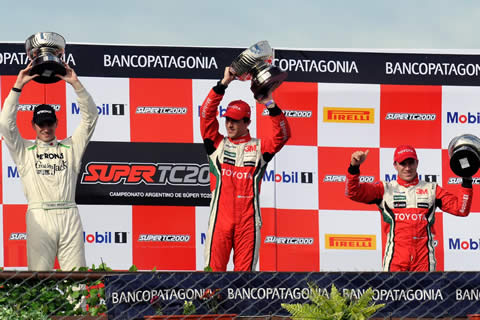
(464, 152)
(46, 49)
(255, 64)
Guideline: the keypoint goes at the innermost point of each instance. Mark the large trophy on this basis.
(255, 64)
(46, 49)
(464, 152)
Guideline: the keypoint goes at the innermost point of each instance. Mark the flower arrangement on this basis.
(155, 303)
(211, 298)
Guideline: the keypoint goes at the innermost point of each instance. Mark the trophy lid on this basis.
(260, 51)
(44, 39)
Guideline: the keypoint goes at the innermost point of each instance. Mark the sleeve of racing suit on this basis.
(208, 118)
(83, 133)
(9, 130)
(280, 134)
(362, 192)
(459, 204)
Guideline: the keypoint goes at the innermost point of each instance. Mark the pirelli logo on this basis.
(350, 241)
(348, 115)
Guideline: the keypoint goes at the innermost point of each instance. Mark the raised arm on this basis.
(280, 130)
(208, 113)
(361, 192)
(83, 133)
(8, 116)
(459, 204)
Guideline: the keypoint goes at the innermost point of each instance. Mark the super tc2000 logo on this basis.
(147, 173)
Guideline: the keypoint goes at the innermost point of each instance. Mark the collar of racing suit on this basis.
(52, 143)
(406, 184)
(241, 139)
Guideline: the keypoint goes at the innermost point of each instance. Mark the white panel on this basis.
(350, 223)
(460, 112)
(291, 179)
(12, 185)
(461, 242)
(237, 90)
(111, 95)
(108, 235)
(332, 134)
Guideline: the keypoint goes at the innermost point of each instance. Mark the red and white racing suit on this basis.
(236, 170)
(49, 174)
(408, 210)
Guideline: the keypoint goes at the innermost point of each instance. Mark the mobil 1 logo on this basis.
(105, 109)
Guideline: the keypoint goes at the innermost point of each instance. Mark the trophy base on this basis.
(46, 67)
(465, 161)
(266, 81)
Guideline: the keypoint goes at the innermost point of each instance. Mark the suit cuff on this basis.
(467, 182)
(220, 88)
(354, 169)
(275, 111)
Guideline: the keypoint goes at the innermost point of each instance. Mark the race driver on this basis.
(408, 209)
(237, 164)
(48, 169)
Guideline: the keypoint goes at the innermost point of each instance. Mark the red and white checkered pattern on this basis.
(308, 224)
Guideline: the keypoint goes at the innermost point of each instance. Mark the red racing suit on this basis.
(408, 210)
(236, 170)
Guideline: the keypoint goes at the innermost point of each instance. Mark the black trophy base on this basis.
(465, 161)
(47, 67)
(266, 81)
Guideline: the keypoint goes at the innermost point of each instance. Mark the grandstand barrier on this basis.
(255, 295)
(406, 295)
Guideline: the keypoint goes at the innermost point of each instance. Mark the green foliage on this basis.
(134, 268)
(32, 295)
(9, 313)
(54, 297)
(189, 308)
(333, 307)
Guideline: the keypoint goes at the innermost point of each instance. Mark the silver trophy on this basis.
(46, 49)
(255, 64)
(464, 152)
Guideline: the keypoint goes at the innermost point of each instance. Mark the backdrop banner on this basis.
(419, 294)
(301, 65)
(145, 172)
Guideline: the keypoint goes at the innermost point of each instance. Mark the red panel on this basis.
(164, 126)
(402, 100)
(289, 224)
(294, 96)
(332, 168)
(160, 250)
(14, 225)
(36, 93)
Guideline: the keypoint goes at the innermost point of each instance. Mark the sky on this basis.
(301, 24)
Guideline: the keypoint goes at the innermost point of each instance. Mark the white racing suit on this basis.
(49, 176)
